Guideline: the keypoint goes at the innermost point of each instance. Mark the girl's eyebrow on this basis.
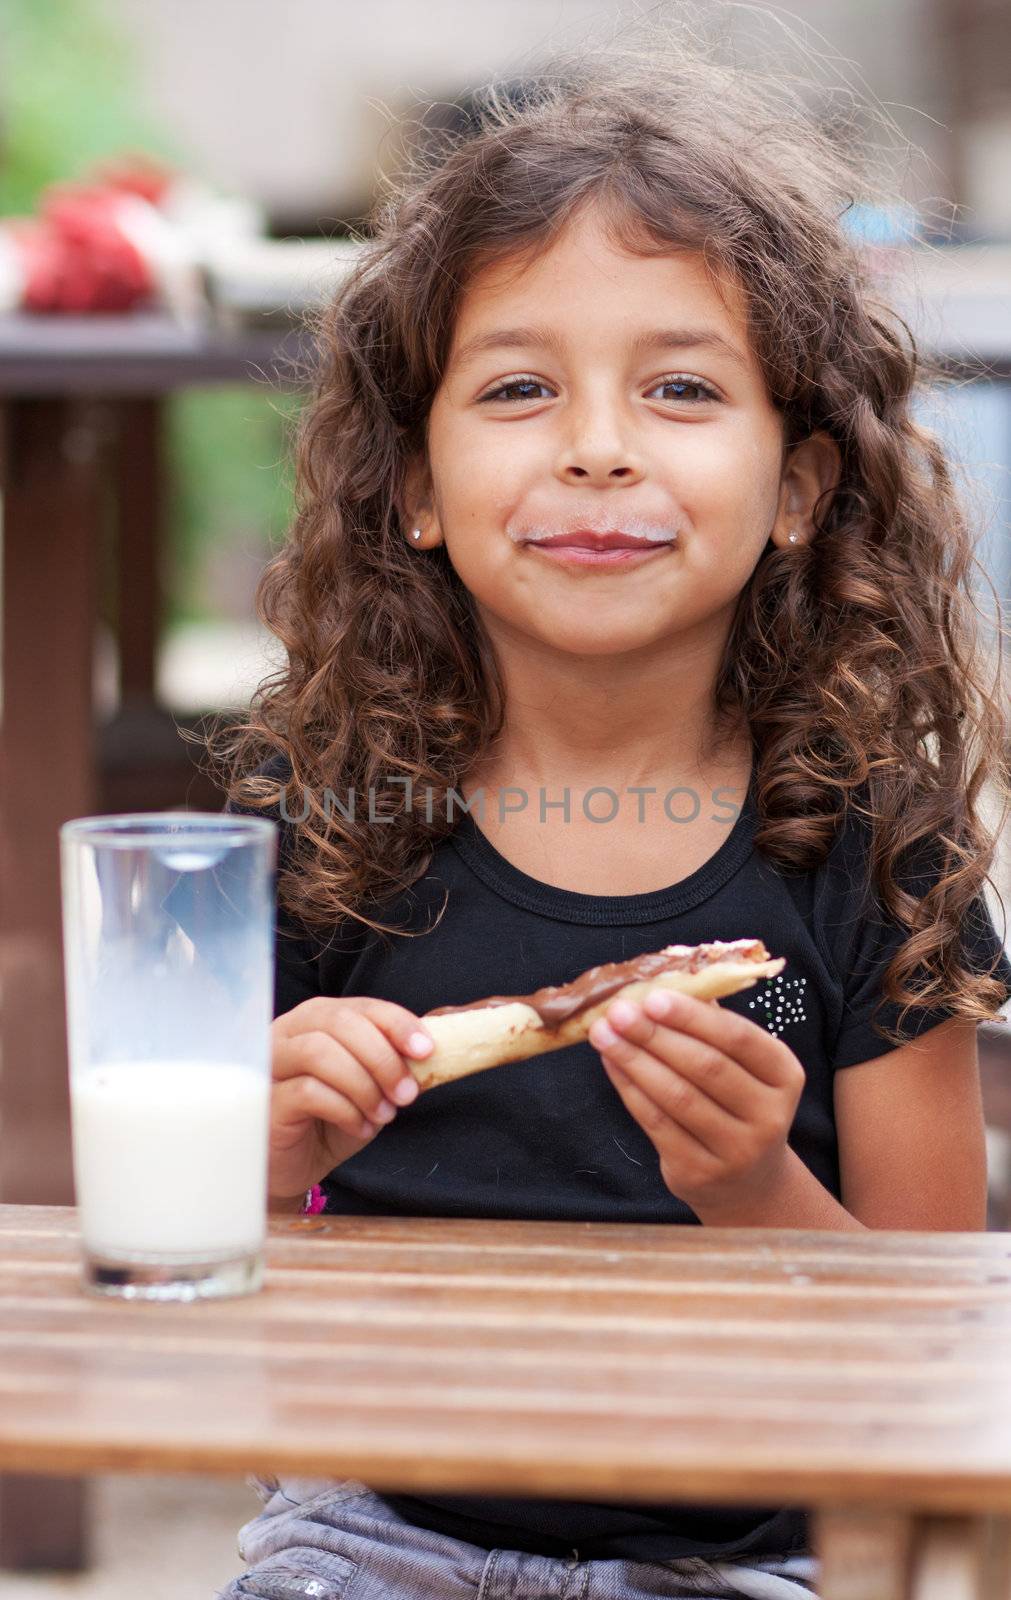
(650, 339)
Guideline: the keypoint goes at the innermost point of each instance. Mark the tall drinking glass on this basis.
(168, 934)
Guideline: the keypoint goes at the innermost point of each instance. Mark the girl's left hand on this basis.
(715, 1093)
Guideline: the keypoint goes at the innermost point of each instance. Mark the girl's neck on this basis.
(593, 721)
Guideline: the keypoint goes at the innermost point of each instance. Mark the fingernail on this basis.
(623, 1013)
(601, 1035)
(385, 1112)
(405, 1092)
(658, 1003)
(419, 1044)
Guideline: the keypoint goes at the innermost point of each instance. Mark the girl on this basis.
(625, 604)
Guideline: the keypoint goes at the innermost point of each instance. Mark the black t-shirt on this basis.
(549, 1138)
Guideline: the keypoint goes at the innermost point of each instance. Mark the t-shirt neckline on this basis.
(568, 905)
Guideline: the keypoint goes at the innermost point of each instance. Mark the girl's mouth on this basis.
(580, 556)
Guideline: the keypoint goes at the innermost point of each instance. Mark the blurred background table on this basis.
(860, 1375)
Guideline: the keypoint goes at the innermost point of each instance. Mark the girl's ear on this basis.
(418, 517)
(812, 467)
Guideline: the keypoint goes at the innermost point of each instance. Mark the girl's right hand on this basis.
(338, 1076)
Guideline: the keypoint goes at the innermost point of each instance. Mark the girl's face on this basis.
(596, 389)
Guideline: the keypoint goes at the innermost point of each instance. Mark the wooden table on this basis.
(865, 1376)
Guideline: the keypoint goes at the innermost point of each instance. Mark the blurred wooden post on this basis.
(52, 467)
(143, 763)
(139, 501)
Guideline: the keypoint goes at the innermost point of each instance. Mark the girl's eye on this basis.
(512, 389)
(685, 387)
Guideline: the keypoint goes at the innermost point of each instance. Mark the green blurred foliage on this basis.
(70, 99)
(226, 452)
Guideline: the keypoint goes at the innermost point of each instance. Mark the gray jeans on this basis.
(326, 1540)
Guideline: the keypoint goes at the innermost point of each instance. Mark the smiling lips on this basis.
(587, 539)
(584, 547)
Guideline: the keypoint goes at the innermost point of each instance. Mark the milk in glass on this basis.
(170, 1157)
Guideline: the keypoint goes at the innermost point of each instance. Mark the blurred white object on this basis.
(12, 275)
(249, 276)
(206, 665)
(206, 217)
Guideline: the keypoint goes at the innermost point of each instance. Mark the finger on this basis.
(680, 1145)
(767, 1058)
(318, 1055)
(307, 1096)
(370, 1044)
(405, 1031)
(724, 1082)
(350, 1025)
(664, 1094)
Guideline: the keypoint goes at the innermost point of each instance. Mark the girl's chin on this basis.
(595, 638)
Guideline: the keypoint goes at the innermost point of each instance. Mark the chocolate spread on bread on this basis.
(556, 1003)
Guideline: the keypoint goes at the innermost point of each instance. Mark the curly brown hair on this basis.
(857, 660)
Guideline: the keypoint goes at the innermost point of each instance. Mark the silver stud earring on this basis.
(793, 537)
(416, 534)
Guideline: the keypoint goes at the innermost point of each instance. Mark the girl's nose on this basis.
(598, 453)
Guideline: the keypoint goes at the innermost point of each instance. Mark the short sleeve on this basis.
(296, 953)
(863, 940)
